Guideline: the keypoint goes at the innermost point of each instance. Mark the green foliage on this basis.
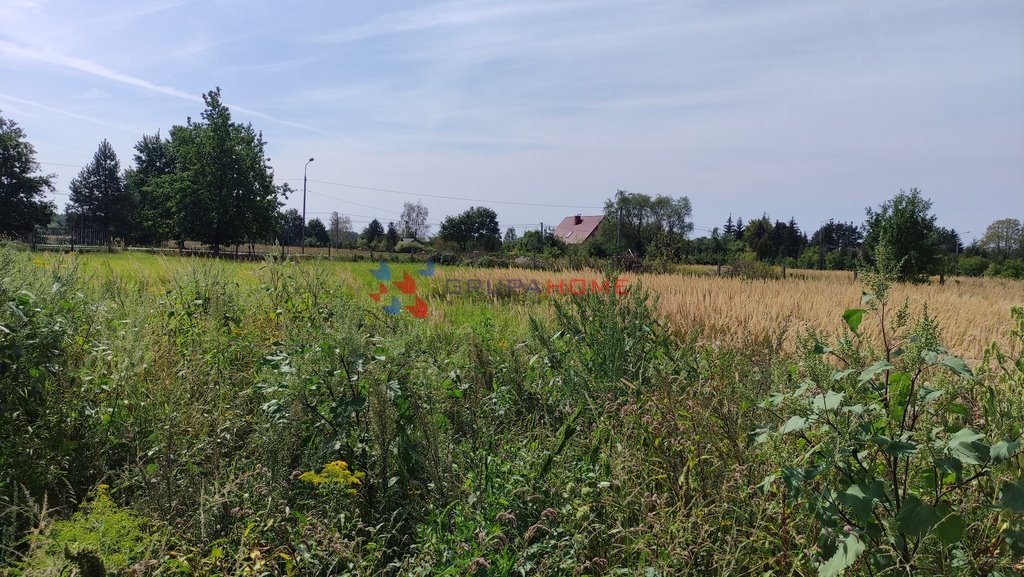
(644, 220)
(23, 203)
(412, 223)
(1009, 268)
(316, 233)
(474, 229)
(746, 266)
(410, 247)
(533, 242)
(221, 192)
(98, 196)
(904, 224)
(44, 418)
(594, 439)
(1004, 238)
(887, 459)
(148, 184)
(373, 232)
(99, 539)
(973, 265)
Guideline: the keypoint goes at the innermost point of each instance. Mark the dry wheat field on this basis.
(972, 312)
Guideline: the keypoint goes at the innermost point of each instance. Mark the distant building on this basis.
(576, 229)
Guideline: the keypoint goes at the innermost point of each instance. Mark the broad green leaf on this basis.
(1011, 497)
(766, 484)
(1002, 451)
(828, 401)
(951, 528)
(950, 468)
(929, 396)
(1015, 539)
(840, 375)
(899, 391)
(758, 436)
(965, 445)
(897, 448)
(795, 423)
(870, 372)
(965, 435)
(958, 366)
(916, 518)
(860, 498)
(853, 317)
(958, 409)
(899, 379)
(850, 548)
(793, 477)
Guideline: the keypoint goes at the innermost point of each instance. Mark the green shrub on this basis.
(892, 458)
(973, 265)
(100, 538)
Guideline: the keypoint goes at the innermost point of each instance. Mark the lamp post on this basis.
(302, 241)
(956, 252)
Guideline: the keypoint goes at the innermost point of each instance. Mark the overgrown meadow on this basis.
(198, 417)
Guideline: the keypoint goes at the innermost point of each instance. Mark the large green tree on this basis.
(1003, 238)
(373, 232)
(636, 221)
(905, 225)
(98, 197)
(316, 233)
(150, 184)
(289, 227)
(23, 204)
(227, 194)
(475, 229)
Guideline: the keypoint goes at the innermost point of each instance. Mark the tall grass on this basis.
(188, 416)
(973, 312)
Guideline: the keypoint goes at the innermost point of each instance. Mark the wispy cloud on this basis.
(20, 53)
(135, 12)
(15, 99)
(445, 15)
(92, 94)
(201, 45)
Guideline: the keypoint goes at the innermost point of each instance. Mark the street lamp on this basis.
(302, 242)
(956, 252)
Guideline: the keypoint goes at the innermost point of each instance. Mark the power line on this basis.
(445, 197)
(354, 203)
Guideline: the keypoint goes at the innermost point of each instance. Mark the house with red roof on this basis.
(578, 228)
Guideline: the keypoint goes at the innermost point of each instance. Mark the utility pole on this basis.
(540, 245)
(956, 252)
(821, 244)
(618, 231)
(302, 249)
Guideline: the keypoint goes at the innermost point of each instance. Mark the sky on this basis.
(541, 109)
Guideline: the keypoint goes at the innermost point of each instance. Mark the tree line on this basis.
(210, 181)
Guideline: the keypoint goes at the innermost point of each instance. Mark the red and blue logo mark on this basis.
(405, 286)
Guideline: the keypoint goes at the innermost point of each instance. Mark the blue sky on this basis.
(810, 109)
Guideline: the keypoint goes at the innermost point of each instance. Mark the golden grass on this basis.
(971, 312)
